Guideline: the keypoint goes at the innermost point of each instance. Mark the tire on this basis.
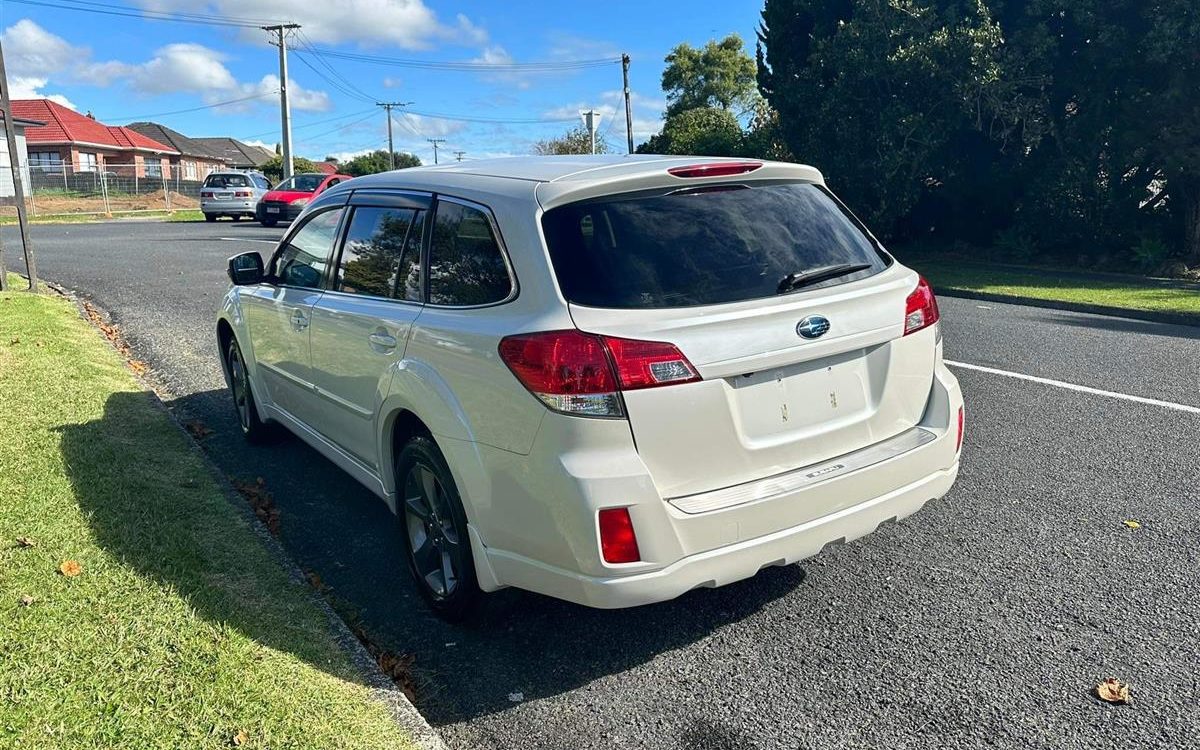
(236, 217)
(434, 532)
(253, 428)
(269, 222)
(210, 217)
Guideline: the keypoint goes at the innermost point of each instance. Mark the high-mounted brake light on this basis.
(920, 309)
(715, 169)
(618, 542)
(582, 373)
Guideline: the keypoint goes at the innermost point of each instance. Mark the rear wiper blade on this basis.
(794, 281)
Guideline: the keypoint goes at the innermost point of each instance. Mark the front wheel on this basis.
(433, 527)
(269, 222)
(210, 217)
(253, 428)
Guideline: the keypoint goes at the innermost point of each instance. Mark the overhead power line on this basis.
(470, 65)
(314, 123)
(130, 118)
(127, 11)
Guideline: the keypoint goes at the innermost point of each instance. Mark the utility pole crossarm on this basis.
(285, 112)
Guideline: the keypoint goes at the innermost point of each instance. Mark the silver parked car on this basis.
(232, 193)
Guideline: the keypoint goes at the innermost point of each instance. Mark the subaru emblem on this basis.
(813, 326)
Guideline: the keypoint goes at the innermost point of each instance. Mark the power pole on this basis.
(628, 105)
(387, 107)
(285, 112)
(458, 155)
(14, 162)
(589, 122)
(435, 142)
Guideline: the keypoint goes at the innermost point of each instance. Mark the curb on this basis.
(403, 713)
(1179, 319)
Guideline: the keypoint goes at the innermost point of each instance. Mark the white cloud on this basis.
(392, 83)
(429, 127)
(260, 144)
(409, 24)
(33, 55)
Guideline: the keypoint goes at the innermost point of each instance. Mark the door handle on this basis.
(382, 341)
(299, 320)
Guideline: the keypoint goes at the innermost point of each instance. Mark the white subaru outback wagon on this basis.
(606, 379)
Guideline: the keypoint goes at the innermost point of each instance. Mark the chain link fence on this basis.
(105, 190)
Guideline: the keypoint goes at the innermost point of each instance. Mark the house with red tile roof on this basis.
(327, 167)
(82, 144)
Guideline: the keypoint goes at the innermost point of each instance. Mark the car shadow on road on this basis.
(522, 643)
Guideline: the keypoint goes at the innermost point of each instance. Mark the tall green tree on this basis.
(574, 141)
(701, 131)
(719, 74)
(378, 161)
(273, 168)
(874, 91)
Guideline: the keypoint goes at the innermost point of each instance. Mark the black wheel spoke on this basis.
(416, 506)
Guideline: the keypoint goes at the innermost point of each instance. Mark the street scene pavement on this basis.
(984, 620)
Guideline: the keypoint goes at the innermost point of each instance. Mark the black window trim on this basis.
(379, 200)
(293, 230)
(513, 281)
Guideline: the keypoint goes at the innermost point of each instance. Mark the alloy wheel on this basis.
(434, 543)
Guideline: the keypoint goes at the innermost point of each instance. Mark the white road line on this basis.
(247, 239)
(1079, 388)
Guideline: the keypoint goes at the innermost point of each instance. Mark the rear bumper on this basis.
(244, 206)
(734, 562)
(537, 528)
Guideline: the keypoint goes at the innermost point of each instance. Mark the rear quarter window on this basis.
(704, 246)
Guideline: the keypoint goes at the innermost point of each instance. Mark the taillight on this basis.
(582, 373)
(242, 194)
(206, 194)
(920, 310)
(715, 169)
(618, 543)
(958, 443)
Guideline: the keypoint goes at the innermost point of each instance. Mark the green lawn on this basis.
(1119, 292)
(181, 630)
(181, 215)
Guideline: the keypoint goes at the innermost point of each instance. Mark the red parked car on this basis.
(289, 197)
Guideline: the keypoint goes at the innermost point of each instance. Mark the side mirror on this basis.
(246, 268)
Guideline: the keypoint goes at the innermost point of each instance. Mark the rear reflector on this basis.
(618, 543)
(958, 443)
(715, 169)
(920, 309)
(582, 373)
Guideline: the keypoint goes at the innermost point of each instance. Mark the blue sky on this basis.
(123, 68)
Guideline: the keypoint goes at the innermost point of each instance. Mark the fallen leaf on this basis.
(24, 541)
(15, 340)
(70, 568)
(1113, 690)
(26, 600)
(240, 739)
(197, 429)
(139, 367)
(314, 580)
(260, 501)
(1132, 524)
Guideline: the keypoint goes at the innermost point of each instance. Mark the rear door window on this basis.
(705, 246)
(466, 264)
(382, 254)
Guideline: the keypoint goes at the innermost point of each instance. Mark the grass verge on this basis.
(1118, 293)
(180, 629)
(181, 215)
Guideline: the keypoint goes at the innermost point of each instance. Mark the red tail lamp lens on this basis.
(958, 443)
(618, 543)
(920, 310)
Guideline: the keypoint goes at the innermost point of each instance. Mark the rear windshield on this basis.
(227, 180)
(705, 246)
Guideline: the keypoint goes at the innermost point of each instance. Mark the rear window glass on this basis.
(702, 247)
(227, 180)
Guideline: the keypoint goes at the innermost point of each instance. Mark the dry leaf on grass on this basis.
(26, 600)
(24, 541)
(70, 568)
(1132, 524)
(1113, 690)
(197, 429)
(239, 739)
(15, 340)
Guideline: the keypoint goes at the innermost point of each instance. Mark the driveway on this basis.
(986, 619)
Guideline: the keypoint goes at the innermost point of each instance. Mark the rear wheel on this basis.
(236, 217)
(210, 217)
(254, 429)
(269, 222)
(433, 528)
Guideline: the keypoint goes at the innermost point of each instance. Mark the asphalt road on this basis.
(984, 620)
